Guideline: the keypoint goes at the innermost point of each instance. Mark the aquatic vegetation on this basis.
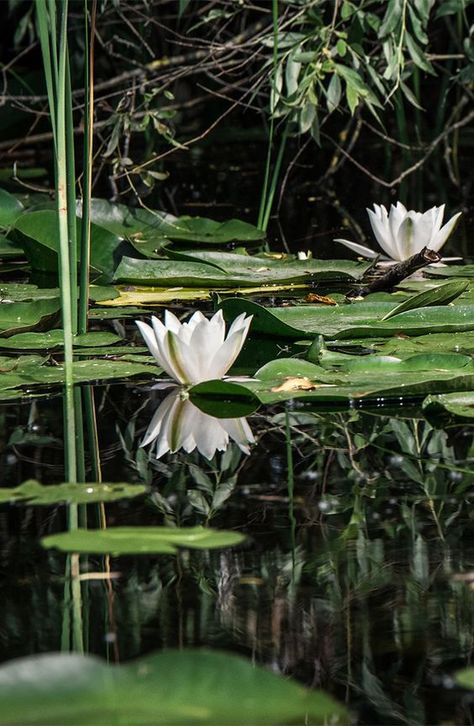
(402, 233)
(179, 424)
(197, 350)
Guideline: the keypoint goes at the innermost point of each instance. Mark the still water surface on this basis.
(357, 574)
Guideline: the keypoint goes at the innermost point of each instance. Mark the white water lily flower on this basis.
(402, 233)
(179, 424)
(197, 350)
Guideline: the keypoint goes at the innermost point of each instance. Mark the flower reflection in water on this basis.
(179, 424)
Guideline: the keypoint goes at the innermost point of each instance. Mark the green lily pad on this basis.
(358, 320)
(28, 372)
(149, 229)
(141, 540)
(40, 240)
(15, 317)
(8, 249)
(436, 342)
(31, 492)
(55, 338)
(173, 687)
(234, 271)
(112, 313)
(440, 295)
(10, 208)
(350, 379)
(450, 271)
(22, 292)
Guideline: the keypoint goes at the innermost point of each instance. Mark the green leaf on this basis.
(26, 315)
(147, 225)
(465, 678)
(141, 540)
(55, 338)
(237, 271)
(40, 241)
(441, 295)
(10, 209)
(333, 94)
(171, 687)
(417, 55)
(9, 249)
(358, 320)
(224, 399)
(31, 492)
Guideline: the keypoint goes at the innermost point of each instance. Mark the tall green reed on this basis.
(270, 179)
(52, 23)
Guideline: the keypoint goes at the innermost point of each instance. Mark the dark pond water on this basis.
(357, 574)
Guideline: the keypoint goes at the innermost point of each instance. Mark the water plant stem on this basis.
(88, 157)
(264, 196)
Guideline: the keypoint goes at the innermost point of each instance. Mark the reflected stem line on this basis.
(290, 488)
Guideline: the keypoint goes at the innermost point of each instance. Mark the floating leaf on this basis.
(242, 271)
(55, 338)
(141, 540)
(441, 295)
(26, 315)
(8, 249)
(31, 492)
(172, 687)
(357, 320)
(40, 240)
(10, 209)
(150, 228)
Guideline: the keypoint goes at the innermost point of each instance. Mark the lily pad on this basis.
(15, 317)
(55, 338)
(351, 381)
(358, 320)
(244, 271)
(439, 295)
(8, 249)
(173, 687)
(10, 208)
(31, 492)
(30, 371)
(40, 240)
(151, 228)
(141, 540)
(451, 271)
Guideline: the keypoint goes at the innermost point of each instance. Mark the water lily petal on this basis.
(217, 326)
(182, 358)
(241, 322)
(150, 339)
(405, 238)
(158, 422)
(381, 229)
(172, 322)
(205, 341)
(443, 234)
(422, 231)
(240, 432)
(359, 249)
(228, 351)
(163, 357)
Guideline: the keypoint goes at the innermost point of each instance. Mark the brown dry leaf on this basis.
(296, 384)
(311, 297)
